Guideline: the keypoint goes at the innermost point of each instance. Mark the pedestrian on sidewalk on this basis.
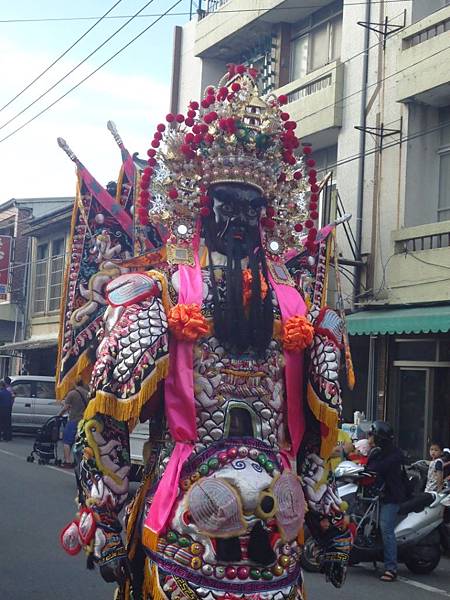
(74, 404)
(386, 460)
(6, 404)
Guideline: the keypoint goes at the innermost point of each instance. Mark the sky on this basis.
(133, 90)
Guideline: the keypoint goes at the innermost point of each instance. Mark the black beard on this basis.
(237, 331)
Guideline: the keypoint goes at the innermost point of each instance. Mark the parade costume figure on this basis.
(224, 343)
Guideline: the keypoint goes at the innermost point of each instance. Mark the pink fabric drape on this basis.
(291, 304)
(179, 405)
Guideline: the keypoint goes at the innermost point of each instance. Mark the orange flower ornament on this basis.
(247, 279)
(298, 333)
(187, 322)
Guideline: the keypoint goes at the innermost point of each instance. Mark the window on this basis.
(444, 166)
(45, 389)
(21, 389)
(56, 274)
(48, 276)
(316, 43)
(40, 280)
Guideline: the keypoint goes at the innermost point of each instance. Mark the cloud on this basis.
(32, 165)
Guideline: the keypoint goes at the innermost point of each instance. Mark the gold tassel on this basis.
(150, 539)
(124, 410)
(133, 532)
(156, 591)
(147, 585)
(326, 415)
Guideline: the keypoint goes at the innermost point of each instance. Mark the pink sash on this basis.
(291, 304)
(179, 405)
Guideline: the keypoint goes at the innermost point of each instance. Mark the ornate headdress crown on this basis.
(234, 135)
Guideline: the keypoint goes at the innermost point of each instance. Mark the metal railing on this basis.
(310, 88)
(214, 5)
(422, 242)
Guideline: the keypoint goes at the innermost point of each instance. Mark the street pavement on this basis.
(37, 501)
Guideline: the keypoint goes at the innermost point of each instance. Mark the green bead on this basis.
(184, 542)
(172, 537)
(267, 575)
(255, 573)
(213, 463)
(203, 469)
(270, 466)
(262, 459)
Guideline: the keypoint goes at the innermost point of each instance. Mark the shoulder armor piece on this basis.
(130, 289)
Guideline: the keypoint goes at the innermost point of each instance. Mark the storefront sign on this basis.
(5, 262)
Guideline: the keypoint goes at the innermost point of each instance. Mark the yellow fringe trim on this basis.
(326, 415)
(133, 535)
(150, 539)
(81, 369)
(124, 410)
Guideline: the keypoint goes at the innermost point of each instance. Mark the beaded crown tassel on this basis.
(233, 135)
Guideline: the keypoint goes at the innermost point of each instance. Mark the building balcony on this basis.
(315, 101)
(424, 59)
(419, 269)
(230, 25)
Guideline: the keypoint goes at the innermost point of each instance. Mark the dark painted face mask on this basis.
(236, 214)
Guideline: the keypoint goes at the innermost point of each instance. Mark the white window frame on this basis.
(443, 151)
(50, 303)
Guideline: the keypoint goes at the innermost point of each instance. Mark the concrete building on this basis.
(40, 229)
(369, 84)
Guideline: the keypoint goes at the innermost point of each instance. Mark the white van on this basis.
(34, 401)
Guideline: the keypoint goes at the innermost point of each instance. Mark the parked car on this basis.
(34, 401)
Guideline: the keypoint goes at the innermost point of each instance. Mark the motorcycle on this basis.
(419, 532)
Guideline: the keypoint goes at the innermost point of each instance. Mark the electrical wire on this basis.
(60, 56)
(44, 110)
(187, 13)
(134, 16)
(74, 68)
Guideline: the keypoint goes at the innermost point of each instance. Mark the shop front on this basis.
(408, 360)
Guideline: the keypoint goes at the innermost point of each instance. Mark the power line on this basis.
(74, 68)
(60, 56)
(187, 14)
(93, 72)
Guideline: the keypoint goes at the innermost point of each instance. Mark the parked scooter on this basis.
(418, 531)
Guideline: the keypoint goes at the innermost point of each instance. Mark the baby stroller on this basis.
(45, 446)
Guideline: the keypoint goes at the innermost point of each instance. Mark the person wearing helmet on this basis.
(386, 460)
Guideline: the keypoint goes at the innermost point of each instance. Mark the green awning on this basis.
(420, 319)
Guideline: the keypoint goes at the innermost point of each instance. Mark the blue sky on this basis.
(132, 90)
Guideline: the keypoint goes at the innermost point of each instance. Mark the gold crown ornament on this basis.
(233, 135)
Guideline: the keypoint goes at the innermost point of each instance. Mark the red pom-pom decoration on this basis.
(170, 118)
(240, 69)
(155, 143)
(157, 136)
(314, 214)
(151, 162)
(298, 227)
(161, 127)
(209, 138)
(314, 197)
(309, 224)
(151, 152)
(205, 103)
(180, 118)
(285, 116)
(290, 125)
(193, 105)
(307, 150)
(189, 122)
(270, 211)
(297, 175)
(282, 99)
(310, 162)
(204, 211)
(172, 193)
(235, 86)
